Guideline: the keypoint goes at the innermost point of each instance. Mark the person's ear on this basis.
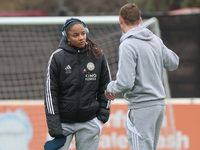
(121, 20)
(140, 20)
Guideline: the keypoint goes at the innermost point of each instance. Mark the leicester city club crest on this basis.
(90, 66)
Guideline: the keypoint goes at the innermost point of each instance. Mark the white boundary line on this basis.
(179, 101)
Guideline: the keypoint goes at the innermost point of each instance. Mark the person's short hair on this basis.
(130, 14)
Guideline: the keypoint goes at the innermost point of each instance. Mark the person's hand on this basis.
(109, 96)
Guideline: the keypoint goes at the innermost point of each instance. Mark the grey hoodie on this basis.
(142, 58)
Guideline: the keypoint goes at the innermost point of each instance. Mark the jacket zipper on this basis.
(79, 83)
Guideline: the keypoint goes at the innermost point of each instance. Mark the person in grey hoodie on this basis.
(142, 59)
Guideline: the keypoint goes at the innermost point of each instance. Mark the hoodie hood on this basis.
(63, 45)
(139, 32)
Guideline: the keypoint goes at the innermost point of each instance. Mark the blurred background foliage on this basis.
(165, 5)
(93, 7)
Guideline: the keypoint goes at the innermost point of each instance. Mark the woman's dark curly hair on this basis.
(91, 46)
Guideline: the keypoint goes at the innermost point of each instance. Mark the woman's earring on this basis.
(69, 43)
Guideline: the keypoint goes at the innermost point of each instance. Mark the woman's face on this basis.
(77, 36)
